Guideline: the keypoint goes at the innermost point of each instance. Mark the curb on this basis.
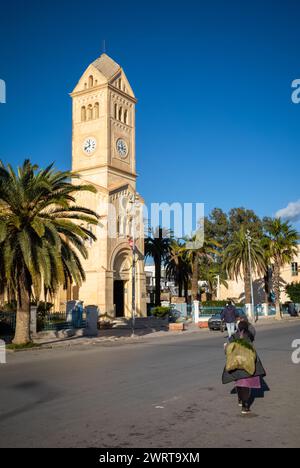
(69, 343)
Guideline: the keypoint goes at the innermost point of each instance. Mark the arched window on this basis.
(120, 114)
(90, 112)
(83, 114)
(116, 111)
(126, 117)
(96, 111)
(91, 81)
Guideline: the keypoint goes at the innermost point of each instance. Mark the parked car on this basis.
(215, 323)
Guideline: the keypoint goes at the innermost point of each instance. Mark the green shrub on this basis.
(161, 312)
(293, 291)
(10, 306)
(44, 307)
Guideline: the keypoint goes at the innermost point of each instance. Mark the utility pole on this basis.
(249, 240)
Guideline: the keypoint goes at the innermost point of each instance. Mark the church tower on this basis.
(104, 125)
(103, 154)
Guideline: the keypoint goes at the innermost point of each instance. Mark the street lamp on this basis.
(133, 201)
(249, 240)
(218, 287)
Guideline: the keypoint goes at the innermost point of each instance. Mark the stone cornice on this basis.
(124, 95)
(104, 86)
(116, 170)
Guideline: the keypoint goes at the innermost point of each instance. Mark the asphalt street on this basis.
(152, 393)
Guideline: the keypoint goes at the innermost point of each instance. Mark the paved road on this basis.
(162, 392)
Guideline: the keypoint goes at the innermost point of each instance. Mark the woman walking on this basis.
(244, 381)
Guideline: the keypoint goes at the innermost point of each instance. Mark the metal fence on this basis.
(8, 320)
(45, 321)
(61, 321)
(187, 310)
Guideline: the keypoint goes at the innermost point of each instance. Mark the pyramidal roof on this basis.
(107, 66)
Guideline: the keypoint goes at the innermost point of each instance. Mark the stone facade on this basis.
(103, 154)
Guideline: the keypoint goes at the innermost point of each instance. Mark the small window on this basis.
(90, 112)
(120, 114)
(126, 117)
(116, 111)
(91, 81)
(96, 111)
(294, 269)
(83, 114)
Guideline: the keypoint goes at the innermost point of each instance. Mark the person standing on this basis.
(243, 382)
(230, 316)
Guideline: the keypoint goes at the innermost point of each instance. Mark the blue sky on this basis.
(215, 120)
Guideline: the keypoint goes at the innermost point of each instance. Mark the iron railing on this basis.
(8, 320)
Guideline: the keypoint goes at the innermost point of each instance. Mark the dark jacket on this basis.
(229, 377)
(229, 314)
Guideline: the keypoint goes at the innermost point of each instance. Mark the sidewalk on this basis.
(125, 335)
(111, 336)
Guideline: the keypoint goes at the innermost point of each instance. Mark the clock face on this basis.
(122, 148)
(89, 145)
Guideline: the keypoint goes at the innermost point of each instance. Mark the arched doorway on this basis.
(122, 280)
(119, 298)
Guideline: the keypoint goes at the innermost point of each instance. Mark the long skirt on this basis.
(251, 382)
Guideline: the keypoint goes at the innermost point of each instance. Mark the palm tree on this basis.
(157, 246)
(282, 248)
(42, 235)
(207, 252)
(236, 261)
(268, 267)
(213, 274)
(178, 267)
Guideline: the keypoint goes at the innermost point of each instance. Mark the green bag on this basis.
(240, 356)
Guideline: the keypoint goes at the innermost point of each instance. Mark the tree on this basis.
(207, 252)
(178, 266)
(222, 227)
(236, 259)
(282, 248)
(157, 246)
(247, 219)
(293, 291)
(214, 275)
(217, 227)
(42, 235)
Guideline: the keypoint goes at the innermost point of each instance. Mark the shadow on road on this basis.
(40, 392)
(256, 393)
